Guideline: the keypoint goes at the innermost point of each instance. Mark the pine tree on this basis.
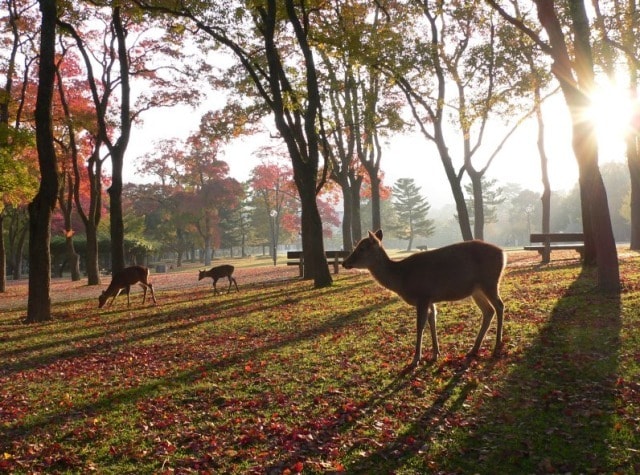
(412, 210)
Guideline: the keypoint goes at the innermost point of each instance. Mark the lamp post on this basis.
(273, 215)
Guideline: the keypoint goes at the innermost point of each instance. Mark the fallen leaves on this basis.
(281, 378)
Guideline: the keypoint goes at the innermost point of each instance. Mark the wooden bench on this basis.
(556, 242)
(295, 258)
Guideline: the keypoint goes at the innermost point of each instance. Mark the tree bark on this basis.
(119, 149)
(633, 135)
(41, 208)
(3, 256)
(633, 162)
(356, 211)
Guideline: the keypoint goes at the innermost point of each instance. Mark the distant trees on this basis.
(19, 175)
(335, 78)
(412, 210)
(196, 195)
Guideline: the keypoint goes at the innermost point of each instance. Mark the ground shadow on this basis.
(558, 400)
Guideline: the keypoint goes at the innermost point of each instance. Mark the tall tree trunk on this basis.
(633, 143)
(546, 185)
(65, 200)
(41, 208)
(596, 220)
(376, 220)
(118, 151)
(73, 258)
(633, 162)
(92, 261)
(478, 204)
(347, 216)
(3, 256)
(316, 266)
(19, 251)
(356, 219)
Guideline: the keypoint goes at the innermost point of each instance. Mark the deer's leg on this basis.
(229, 288)
(421, 321)
(432, 313)
(144, 295)
(235, 283)
(128, 289)
(153, 296)
(215, 288)
(497, 303)
(114, 297)
(487, 309)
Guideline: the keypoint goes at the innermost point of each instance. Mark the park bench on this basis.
(295, 258)
(556, 242)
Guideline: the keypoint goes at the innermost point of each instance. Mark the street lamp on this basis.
(273, 215)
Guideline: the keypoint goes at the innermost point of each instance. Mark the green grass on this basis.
(282, 378)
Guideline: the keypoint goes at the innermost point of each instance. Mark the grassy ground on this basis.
(282, 378)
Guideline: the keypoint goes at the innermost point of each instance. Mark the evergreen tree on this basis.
(412, 210)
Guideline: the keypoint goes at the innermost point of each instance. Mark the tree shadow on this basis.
(552, 414)
(115, 328)
(112, 401)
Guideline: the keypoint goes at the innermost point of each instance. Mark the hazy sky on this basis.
(413, 156)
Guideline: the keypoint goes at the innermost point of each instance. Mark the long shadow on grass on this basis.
(60, 417)
(125, 330)
(552, 414)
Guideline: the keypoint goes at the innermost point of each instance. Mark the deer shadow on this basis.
(558, 399)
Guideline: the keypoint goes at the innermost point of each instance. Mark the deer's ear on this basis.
(379, 234)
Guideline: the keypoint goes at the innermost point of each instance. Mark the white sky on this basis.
(405, 156)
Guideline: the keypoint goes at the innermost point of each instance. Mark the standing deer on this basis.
(219, 272)
(123, 280)
(471, 268)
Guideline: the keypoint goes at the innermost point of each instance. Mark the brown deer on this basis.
(466, 269)
(219, 272)
(123, 280)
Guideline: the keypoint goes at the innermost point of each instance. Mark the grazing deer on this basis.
(219, 272)
(471, 268)
(123, 280)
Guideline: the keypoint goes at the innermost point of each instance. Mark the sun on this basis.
(613, 111)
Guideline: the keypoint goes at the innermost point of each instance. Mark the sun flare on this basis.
(612, 111)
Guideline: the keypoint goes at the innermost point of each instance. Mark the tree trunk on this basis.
(546, 185)
(93, 266)
(356, 220)
(73, 258)
(115, 218)
(316, 266)
(633, 162)
(118, 151)
(19, 237)
(478, 204)
(596, 220)
(347, 217)
(376, 221)
(633, 156)
(3, 256)
(41, 208)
